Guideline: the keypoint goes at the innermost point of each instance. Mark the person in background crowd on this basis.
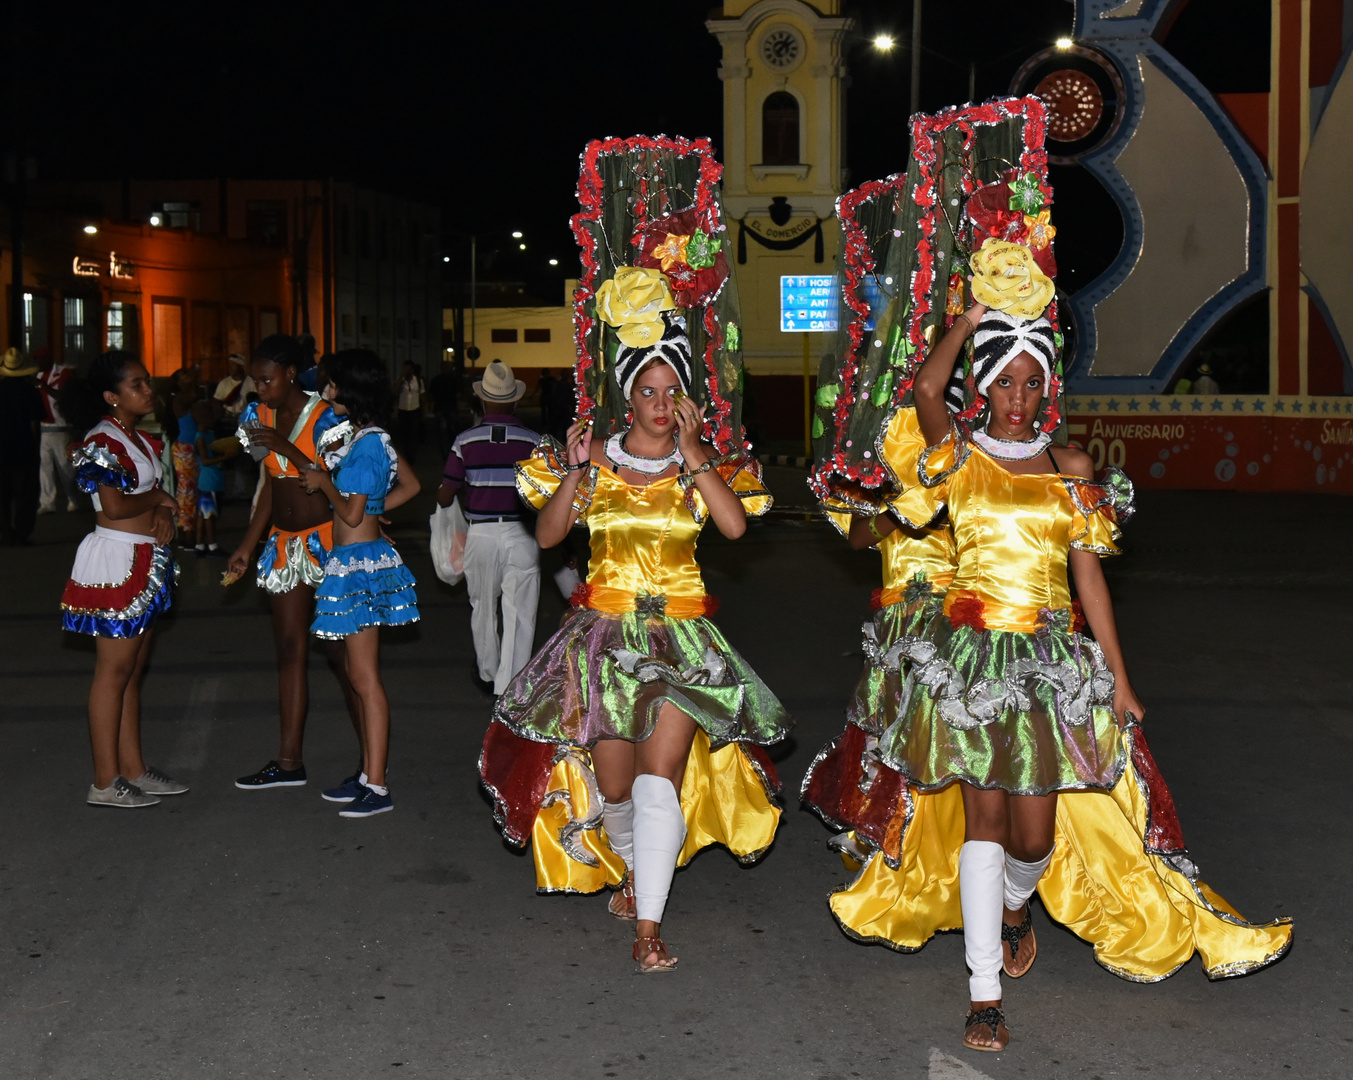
(1205, 383)
(411, 393)
(444, 389)
(366, 584)
(210, 480)
(182, 397)
(126, 557)
(285, 428)
(56, 475)
(502, 560)
(232, 392)
(545, 394)
(21, 414)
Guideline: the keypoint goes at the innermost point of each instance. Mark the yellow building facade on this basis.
(783, 73)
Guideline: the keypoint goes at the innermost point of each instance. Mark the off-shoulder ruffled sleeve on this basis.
(742, 474)
(1098, 509)
(101, 459)
(368, 468)
(539, 477)
(920, 471)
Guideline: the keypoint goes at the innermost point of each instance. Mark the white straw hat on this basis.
(499, 385)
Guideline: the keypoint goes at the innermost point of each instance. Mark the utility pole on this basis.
(474, 241)
(915, 57)
(17, 168)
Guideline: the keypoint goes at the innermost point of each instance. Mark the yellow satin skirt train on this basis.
(1144, 917)
(726, 799)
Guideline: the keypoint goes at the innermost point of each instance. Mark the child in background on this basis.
(210, 480)
(366, 584)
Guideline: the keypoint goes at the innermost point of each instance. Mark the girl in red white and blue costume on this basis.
(123, 577)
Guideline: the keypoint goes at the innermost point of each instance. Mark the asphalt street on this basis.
(257, 934)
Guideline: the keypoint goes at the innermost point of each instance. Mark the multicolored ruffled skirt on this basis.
(607, 676)
(364, 585)
(843, 784)
(290, 559)
(119, 585)
(1030, 713)
(1120, 879)
(186, 466)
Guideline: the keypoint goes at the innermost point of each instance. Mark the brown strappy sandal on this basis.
(621, 903)
(1012, 941)
(654, 945)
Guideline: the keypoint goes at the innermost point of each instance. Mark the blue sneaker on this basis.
(348, 791)
(368, 803)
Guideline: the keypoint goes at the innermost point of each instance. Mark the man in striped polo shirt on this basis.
(502, 561)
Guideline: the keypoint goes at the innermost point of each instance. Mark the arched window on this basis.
(780, 129)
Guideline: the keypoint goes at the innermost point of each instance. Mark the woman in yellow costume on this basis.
(1020, 743)
(634, 737)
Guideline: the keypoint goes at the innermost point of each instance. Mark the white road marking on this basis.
(944, 1067)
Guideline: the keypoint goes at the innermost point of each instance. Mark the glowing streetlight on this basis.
(446, 258)
(884, 42)
(1064, 43)
(90, 230)
(516, 235)
(155, 219)
(521, 247)
(554, 262)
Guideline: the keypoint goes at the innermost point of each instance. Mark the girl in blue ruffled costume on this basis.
(124, 574)
(366, 584)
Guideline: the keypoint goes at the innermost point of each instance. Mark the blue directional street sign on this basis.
(808, 302)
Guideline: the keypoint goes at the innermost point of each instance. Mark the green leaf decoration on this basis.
(732, 337)
(883, 390)
(1057, 340)
(701, 249)
(1025, 194)
(818, 428)
(826, 395)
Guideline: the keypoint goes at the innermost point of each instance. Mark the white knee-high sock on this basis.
(618, 819)
(659, 832)
(1021, 879)
(981, 878)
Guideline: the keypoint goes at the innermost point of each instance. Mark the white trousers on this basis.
(502, 563)
(55, 475)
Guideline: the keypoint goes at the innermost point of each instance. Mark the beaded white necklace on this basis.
(1011, 449)
(615, 450)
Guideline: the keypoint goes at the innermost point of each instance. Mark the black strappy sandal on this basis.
(991, 1017)
(1014, 937)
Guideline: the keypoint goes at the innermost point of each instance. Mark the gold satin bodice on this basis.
(909, 552)
(1013, 534)
(643, 536)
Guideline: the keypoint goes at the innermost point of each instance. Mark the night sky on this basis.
(481, 109)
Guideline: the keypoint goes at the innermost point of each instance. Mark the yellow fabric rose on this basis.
(1006, 278)
(633, 302)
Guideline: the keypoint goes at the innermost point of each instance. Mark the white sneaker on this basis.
(120, 793)
(154, 782)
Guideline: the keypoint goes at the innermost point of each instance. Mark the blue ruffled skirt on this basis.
(364, 585)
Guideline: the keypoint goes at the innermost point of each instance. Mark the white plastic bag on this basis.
(449, 529)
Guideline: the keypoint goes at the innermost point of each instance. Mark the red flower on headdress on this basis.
(989, 210)
(691, 285)
(968, 611)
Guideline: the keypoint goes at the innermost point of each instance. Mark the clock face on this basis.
(782, 48)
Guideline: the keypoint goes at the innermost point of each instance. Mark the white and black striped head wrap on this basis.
(674, 350)
(1001, 337)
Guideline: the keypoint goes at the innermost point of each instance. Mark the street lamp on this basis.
(516, 235)
(884, 42)
(155, 220)
(1064, 43)
(90, 230)
(554, 262)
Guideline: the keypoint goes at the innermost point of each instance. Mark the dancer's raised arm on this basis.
(933, 375)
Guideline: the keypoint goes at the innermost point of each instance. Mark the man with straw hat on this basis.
(502, 560)
(21, 416)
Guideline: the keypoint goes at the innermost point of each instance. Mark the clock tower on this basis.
(783, 149)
